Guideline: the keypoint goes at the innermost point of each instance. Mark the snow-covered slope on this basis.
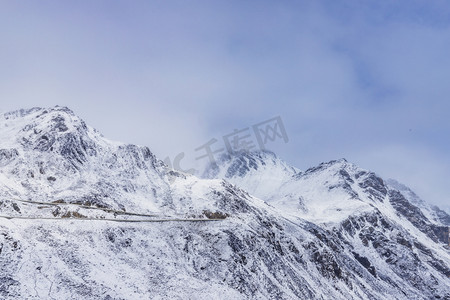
(327, 194)
(82, 217)
(386, 222)
(261, 173)
(435, 214)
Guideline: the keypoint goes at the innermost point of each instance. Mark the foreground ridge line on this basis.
(113, 220)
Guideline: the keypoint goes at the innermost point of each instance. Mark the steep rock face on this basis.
(433, 213)
(413, 214)
(86, 218)
(386, 243)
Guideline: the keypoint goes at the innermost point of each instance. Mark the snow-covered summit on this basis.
(22, 126)
(258, 172)
(243, 162)
(319, 193)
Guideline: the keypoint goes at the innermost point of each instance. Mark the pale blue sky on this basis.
(364, 80)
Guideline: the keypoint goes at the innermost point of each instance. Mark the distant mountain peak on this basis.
(39, 111)
(247, 154)
(338, 163)
(240, 163)
(37, 119)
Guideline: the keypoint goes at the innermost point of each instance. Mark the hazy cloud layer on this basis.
(363, 80)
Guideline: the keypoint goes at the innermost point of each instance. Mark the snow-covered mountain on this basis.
(326, 194)
(360, 208)
(83, 217)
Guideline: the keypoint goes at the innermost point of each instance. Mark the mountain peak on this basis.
(339, 161)
(51, 152)
(37, 111)
(241, 163)
(257, 154)
(36, 126)
(338, 165)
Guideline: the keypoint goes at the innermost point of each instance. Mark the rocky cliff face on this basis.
(82, 217)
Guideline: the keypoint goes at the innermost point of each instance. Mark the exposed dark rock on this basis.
(8, 155)
(215, 215)
(413, 214)
(16, 207)
(365, 263)
(374, 186)
(51, 178)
